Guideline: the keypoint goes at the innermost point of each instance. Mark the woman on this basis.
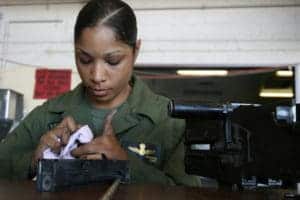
(106, 48)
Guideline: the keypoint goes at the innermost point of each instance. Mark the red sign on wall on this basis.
(51, 82)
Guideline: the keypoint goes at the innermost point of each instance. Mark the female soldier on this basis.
(106, 48)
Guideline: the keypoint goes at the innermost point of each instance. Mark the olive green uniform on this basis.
(142, 119)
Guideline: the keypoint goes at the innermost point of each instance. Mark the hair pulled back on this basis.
(114, 14)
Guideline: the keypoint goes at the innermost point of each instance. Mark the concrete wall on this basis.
(174, 33)
(34, 36)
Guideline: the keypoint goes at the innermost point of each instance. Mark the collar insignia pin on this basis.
(142, 151)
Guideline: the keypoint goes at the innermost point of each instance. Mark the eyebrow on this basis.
(105, 54)
(84, 52)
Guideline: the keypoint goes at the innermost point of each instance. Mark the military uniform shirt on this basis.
(141, 123)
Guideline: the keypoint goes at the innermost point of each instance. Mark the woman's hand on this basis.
(55, 139)
(104, 146)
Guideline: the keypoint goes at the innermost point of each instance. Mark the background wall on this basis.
(192, 33)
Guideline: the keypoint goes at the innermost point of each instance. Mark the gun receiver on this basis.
(236, 142)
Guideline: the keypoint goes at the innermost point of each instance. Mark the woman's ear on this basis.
(137, 49)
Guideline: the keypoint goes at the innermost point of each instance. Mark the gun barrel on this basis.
(199, 111)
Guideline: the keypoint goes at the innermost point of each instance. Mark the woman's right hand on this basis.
(55, 139)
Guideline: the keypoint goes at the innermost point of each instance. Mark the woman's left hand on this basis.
(104, 146)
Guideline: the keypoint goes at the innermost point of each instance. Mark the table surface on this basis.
(26, 190)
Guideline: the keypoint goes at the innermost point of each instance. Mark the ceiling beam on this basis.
(37, 2)
(174, 4)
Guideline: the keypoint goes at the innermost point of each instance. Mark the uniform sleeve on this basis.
(17, 148)
(172, 171)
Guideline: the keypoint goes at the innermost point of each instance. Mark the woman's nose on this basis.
(98, 74)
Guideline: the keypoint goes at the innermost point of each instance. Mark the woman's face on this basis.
(105, 66)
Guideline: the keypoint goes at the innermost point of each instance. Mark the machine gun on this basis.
(235, 142)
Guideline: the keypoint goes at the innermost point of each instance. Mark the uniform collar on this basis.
(139, 103)
(143, 101)
(60, 104)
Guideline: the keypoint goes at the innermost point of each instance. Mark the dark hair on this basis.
(115, 14)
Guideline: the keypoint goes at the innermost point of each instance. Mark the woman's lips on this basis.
(99, 92)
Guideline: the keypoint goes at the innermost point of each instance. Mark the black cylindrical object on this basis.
(181, 110)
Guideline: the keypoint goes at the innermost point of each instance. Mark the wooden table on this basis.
(26, 190)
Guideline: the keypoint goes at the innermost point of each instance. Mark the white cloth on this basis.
(82, 135)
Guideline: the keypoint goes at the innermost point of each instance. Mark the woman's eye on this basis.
(113, 61)
(84, 60)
